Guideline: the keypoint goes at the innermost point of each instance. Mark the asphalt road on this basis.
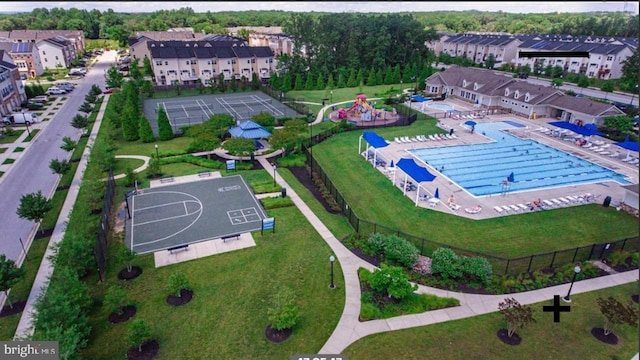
(31, 172)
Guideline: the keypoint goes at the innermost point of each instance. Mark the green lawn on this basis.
(8, 161)
(373, 197)
(34, 132)
(3, 150)
(18, 149)
(121, 165)
(8, 139)
(228, 314)
(174, 145)
(475, 337)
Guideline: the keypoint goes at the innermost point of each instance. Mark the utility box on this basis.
(607, 201)
(284, 192)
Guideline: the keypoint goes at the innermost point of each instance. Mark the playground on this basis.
(364, 113)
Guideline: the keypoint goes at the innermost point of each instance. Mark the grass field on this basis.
(475, 337)
(373, 197)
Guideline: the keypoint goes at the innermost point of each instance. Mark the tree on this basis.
(126, 256)
(146, 133)
(283, 313)
(630, 69)
(617, 313)
(239, 146)
(177, 282)
(146, 88)
(392, 281)
(490, 62)
(139, 332)
(134, 70)
(255, 82)
(154, 167)
(557, 82)
(222, 86)
(34, 207)
(621, 123)
(233, 85)
(59, 167)
(607, 87)
(116, 299)
(80, 122)
(10, 275)
(165, 132)
(114, 77)
(86, 107)
(147, 69)
(583, 82)
(68, 144)
(515, 315)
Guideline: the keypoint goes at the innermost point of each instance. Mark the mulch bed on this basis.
(373, 260)
(149, 351)
(305, 179)
(625, 266)
(598, 333)
(503, 335)
(125, 274)
(277, 336)
(185, 297)
(256, 163)
(635, 298)
(61, 188)
(127, 313)
(16, 309)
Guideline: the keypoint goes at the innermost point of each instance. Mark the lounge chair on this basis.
(523, 207)
(454, 207)
(605, 153)
(564, 201)
(548, 203)
(556, 202)
(515, 208)
(605, 146)
(397, 140)
(433, 202)
(498, 209)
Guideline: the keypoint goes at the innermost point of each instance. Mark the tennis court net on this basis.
(247, 103)
(184, 108)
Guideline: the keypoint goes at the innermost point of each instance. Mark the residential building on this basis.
(25, 56)
(12, 92)
(605, 61)
(487, 89)
(271, 36)
(56, 53)
(138, 43)
(76, 37)
(187, 62)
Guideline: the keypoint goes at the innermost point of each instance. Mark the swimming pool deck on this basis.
(464, 199)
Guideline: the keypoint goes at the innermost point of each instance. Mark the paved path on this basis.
(138, 169)
(350, 329)
(25, 328)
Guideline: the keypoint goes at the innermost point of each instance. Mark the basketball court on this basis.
(174, 216)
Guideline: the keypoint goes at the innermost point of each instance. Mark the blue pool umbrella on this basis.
(470, 123)
(627, 144)
(436, 194)
(391, 163)
(511, 177)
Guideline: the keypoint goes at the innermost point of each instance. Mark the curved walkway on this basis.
(351, 329)
(138, 169)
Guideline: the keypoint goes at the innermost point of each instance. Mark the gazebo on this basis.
(249, 130)
(414, 171)
(375, 141)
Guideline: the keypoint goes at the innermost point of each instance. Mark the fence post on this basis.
(422, 247)
(506, 269)
(624, 242)
(553, 259)
(530, 261)
(357, 224)
(576, 254)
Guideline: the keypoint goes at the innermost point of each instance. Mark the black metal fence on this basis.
(507, 266)
(100, 250)
(295, 104)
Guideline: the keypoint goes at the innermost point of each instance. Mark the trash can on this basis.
(607, 201)
(284, 192)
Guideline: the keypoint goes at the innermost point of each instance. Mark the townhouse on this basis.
(605, 61)
(56, 53)
(138, 42)
(188, 62)
(490, 90)
(271, 36)
(12, 93)
(25, 56)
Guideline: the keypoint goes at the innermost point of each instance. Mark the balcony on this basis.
(188, 77)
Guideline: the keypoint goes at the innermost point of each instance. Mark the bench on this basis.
(176, 249)
(204, 173)
(229, 237)
(166, 179)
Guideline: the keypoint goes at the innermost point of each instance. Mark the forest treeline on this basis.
(118, 26)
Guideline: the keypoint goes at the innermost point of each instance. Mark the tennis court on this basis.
(192, 110)
(171, 216)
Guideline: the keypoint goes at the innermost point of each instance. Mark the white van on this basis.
(64, 85)
(20, 118)
(55, 91)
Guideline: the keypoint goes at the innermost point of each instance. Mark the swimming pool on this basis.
(444, 107)
(481, 168)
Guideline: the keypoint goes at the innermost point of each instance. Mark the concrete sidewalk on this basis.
(25, 326)
(350, 329)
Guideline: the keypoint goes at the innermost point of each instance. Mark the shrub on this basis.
(283, 312)
(375, 244)
(445, 263)
(178, 281)
(477, 267)
(116, 299)
(515, 315)
(139, 332)
(392, 281)
(616, 258)
(401, 250)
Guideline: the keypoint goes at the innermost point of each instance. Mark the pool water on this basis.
(480, 169)
(443, 107)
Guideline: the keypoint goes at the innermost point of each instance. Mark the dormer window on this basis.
(464, 83)
(527, 96)
(475, 86)
(507, 92)
(516, 94)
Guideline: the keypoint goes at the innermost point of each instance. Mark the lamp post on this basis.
(331, 100)
(157, 155)
(274, 175)
(576, 270)
(28, 131)
(633, 95)
(332, 259)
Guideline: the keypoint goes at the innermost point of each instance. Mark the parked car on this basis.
(65, 85)
(20, 118)
(108, 91)
(55, 91)
(39, 99)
